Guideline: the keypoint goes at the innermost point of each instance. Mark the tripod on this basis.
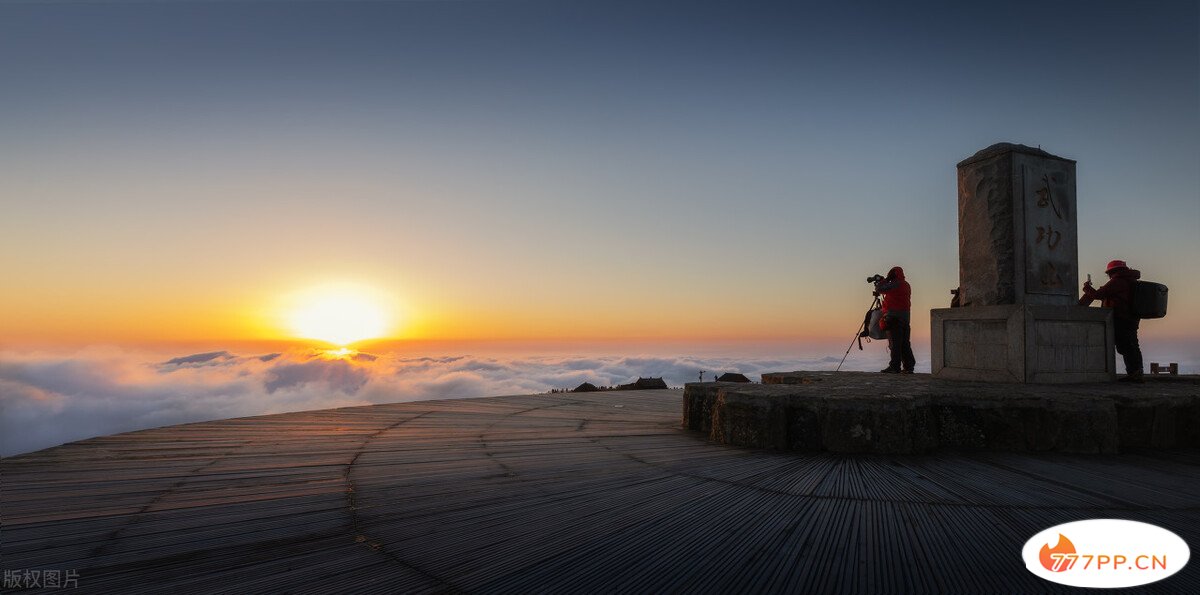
(858, 335)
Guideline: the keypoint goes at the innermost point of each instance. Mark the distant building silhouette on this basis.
(586, 387)
(732, 377)
(644, 384)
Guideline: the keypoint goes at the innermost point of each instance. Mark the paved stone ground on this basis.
(861, 412)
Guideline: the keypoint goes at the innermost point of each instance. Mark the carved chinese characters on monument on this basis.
(1050, 228)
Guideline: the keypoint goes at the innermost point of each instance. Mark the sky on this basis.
(508, 170)
(536, 194)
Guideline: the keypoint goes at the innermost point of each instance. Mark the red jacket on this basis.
(1116, 294)
(897, 293)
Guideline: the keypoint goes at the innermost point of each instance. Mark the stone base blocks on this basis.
(1022, 343)
(858, 412)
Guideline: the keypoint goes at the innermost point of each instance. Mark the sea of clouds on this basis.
(50, 399)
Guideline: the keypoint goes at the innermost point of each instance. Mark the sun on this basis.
(340, 314)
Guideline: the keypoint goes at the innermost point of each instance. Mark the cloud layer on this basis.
(47, 400)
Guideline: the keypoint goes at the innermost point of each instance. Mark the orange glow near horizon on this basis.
(401, 308)
(342, 353)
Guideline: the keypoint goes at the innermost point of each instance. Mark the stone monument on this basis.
(1018, 318)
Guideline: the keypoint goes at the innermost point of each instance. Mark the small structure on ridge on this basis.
(644, 384)
(732, 377)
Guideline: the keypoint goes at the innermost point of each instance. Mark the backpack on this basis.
(1149, 300)
(873, 328)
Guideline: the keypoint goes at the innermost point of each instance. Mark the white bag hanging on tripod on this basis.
(874, 330)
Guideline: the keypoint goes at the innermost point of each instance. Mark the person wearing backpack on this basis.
(897, 304)
(1118, 295)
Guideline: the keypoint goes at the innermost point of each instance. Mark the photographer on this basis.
(897, 295)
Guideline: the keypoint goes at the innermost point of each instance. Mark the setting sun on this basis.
(338, 314)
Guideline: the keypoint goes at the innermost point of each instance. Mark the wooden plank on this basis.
(595, 491)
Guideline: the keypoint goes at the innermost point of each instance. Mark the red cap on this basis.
(1115, 264)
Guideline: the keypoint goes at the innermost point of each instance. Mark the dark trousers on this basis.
(899, 333)
(1125, 336)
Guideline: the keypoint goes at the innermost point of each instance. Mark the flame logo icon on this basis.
(1064, 547)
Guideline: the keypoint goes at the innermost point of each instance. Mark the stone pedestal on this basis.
(1023, 343)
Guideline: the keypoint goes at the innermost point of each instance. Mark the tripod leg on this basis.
(857, 336)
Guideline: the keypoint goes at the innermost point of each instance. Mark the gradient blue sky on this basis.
(566, 169)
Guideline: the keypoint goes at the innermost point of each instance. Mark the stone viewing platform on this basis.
(860, 412)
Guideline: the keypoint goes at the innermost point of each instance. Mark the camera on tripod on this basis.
(875, 278)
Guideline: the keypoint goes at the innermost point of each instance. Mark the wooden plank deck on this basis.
(563, 492)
